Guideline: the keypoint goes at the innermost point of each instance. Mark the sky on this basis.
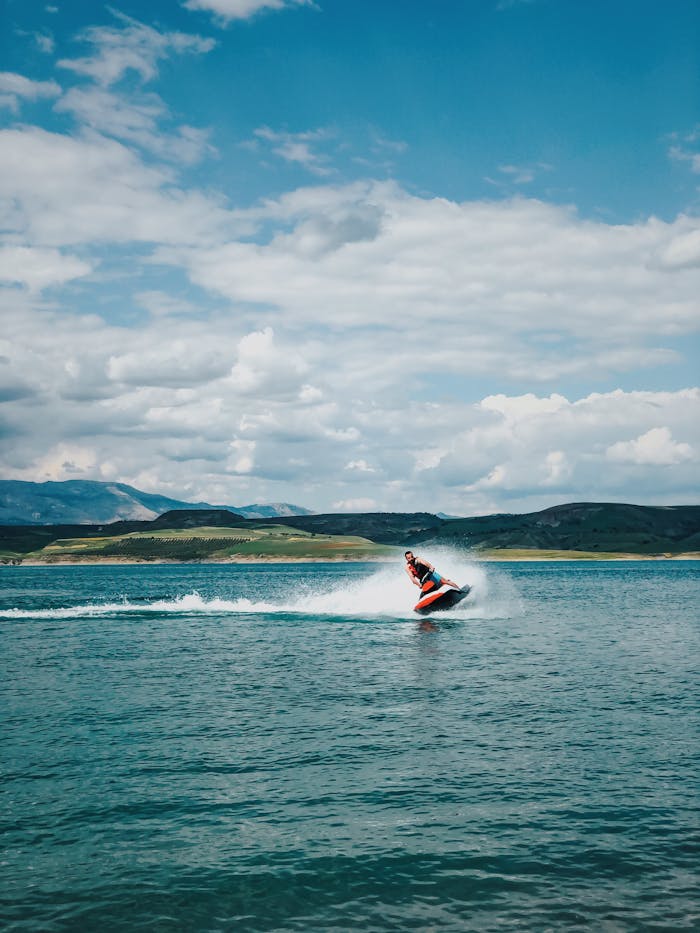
(353, 255)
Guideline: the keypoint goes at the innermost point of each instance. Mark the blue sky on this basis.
(353, 255)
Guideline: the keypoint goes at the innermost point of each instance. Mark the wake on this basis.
(386, 593)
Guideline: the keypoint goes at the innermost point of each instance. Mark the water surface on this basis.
(287, 747)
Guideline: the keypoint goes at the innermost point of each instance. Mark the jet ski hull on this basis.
(440, 598)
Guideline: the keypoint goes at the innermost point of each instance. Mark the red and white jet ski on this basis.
(434, 598)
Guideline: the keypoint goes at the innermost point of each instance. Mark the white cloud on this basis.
(309, 394)
(39, 268)
(355, 505)
(178, 362)
(228, 10)
(559, 468)
(66, 461)
(134, 47)
(524, 449)
(125, 397)
(519, 174)
(682, 251)
(429, 458)
(656, 448)
(136, 120)
(518, 408)
(360, 465)
(15, 87)
(58, 190)
(518, 286)
(263, 367)
(351, 324)
(242, 457)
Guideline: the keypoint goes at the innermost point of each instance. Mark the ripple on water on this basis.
(188, 761)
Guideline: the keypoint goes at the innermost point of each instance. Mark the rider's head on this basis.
(409, 557)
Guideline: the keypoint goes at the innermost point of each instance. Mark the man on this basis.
(419, 570)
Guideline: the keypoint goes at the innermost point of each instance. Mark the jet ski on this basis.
(434, 598)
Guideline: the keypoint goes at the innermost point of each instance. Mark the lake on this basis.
(288, 747)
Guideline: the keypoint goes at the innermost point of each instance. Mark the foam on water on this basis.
(189, 603)
(385, 592)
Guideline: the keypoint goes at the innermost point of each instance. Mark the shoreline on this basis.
(570, 556)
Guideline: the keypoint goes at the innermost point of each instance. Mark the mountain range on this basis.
(587, 528)
(83, 502)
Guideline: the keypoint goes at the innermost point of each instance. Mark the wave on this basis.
(384, 593)
(189, 603)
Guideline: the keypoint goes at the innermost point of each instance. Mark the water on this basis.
(288, 748)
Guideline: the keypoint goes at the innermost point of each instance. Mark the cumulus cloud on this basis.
(528, 445)
(61, 190)
(656, 448)
(218, 412)
(264, 367)
(519, 286)
(174, 363)
(351, 324)
(681, 251)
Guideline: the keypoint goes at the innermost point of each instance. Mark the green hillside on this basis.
(201, 544)
(588, 529)
(609, 527)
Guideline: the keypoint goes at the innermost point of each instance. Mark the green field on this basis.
(211, 543)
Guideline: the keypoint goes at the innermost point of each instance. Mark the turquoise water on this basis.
(288, 748)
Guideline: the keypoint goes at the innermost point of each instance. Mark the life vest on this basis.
(418, 569)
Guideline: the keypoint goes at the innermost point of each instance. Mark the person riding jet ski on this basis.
(437, 592)
(419, 570)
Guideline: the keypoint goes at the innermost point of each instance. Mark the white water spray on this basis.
(384, 592)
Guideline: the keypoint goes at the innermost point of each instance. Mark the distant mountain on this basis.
(272, 510)
(81, 502)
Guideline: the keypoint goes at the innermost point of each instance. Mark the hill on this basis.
(577, 528)
(583, 526)
(207, 543)
(83, 502)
